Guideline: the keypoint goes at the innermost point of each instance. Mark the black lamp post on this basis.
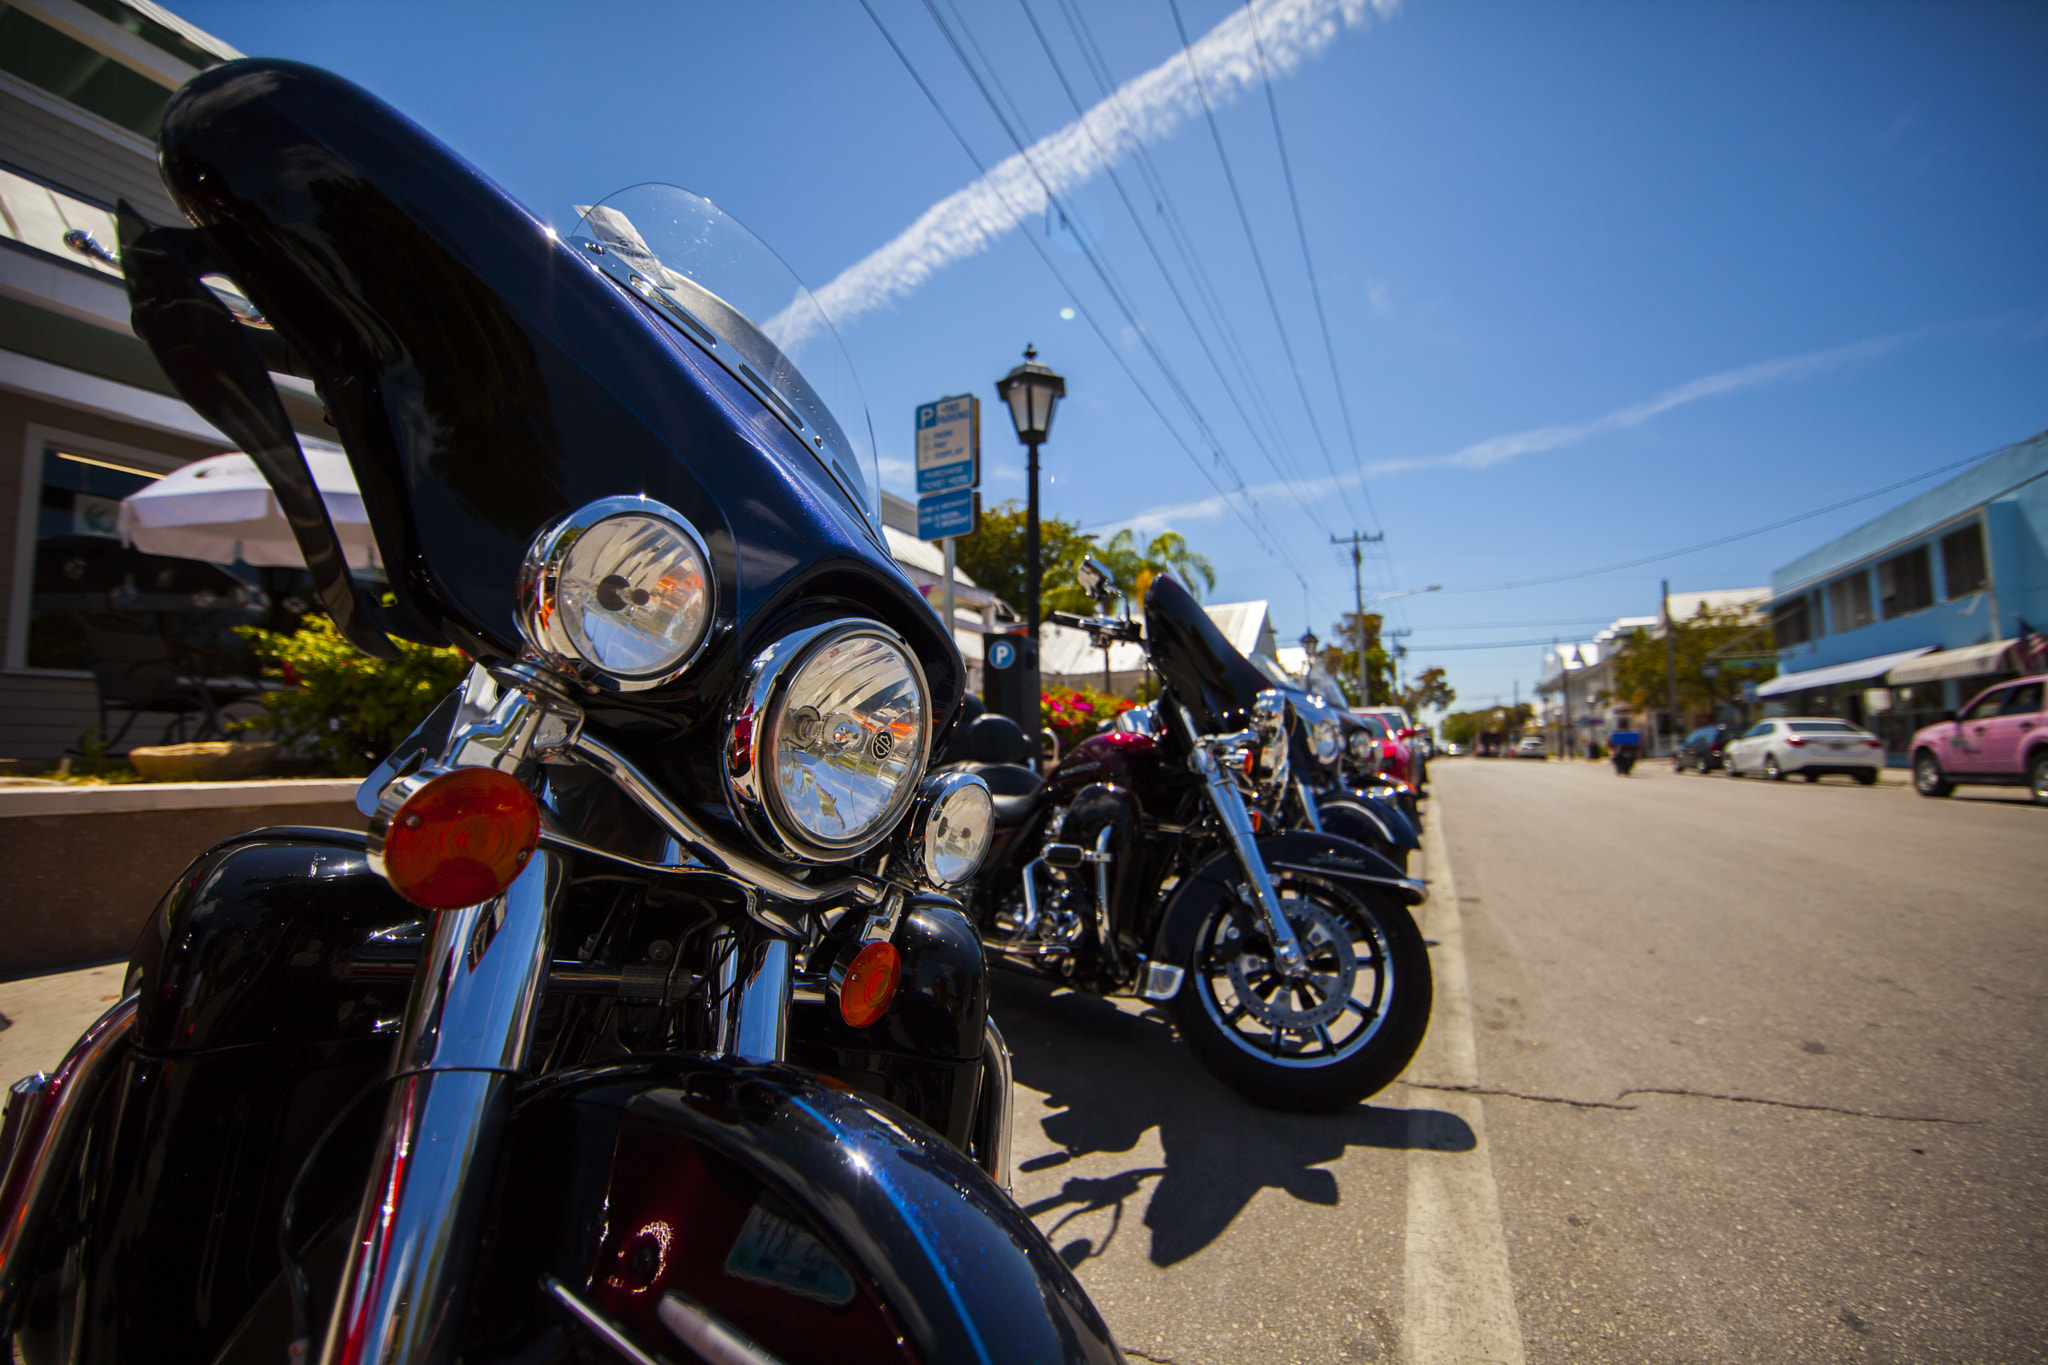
(1032, 390)
(1308, 645)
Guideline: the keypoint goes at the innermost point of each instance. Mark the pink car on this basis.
(1999, 739)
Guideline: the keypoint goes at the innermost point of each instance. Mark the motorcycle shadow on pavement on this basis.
(1110, 1074)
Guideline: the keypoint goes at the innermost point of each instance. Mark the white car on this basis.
(1531, 746)
(1809, 745)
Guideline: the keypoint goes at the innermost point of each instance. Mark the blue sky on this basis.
(1601, 280)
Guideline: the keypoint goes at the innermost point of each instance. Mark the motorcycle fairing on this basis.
(485, 379)
(906, 1249)
(1217, 684)
(1320, 855)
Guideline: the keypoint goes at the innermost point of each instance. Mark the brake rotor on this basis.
(1320, 934)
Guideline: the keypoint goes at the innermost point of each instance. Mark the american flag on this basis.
(2031, 649)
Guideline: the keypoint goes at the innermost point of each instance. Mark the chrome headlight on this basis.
(829, 740)
(1365, 750)
(956, 821)
(619, 592)
(1325, 739)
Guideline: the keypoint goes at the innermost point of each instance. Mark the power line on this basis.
(1117, 297)
(1308, 262)
(1138, 221)
(1258, 258)
(1730, 540)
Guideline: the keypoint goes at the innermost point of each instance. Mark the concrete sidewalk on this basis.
(42, 1016)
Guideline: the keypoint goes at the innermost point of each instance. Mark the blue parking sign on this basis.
(944, 516)
(1001, 654)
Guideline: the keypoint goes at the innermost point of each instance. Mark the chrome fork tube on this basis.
(467, 1028)
(753, 1013)
(1237, 825)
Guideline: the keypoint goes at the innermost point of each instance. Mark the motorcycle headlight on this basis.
(955, 822)
(1364, 749)
(828, 740)
(619, 592)
(1325, 739)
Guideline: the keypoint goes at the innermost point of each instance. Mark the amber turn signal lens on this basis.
(462, 838)
(870, 984)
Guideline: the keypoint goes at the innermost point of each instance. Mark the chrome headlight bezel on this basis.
(751, 727)
(1325, 740)
(936, 802)
(542, 622)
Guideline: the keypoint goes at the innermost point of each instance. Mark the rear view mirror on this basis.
(1096, 579)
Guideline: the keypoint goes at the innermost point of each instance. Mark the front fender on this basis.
(1385, 818)
(1320, 855)
(821, 1224)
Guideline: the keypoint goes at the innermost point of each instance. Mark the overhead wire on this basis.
(1152, 249)
(1258, 257)
(1256, 522)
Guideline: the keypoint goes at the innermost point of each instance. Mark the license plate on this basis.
(772, 1250)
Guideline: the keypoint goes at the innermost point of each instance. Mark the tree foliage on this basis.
(1640, 678)
(345, 708)
(1340, 658)
(1431, 691)
(994, 558)
(1465, 727)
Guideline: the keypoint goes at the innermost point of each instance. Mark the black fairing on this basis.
(485, 380)
(924, 1055)
(1217, 684)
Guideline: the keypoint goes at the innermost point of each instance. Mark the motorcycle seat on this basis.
(1018, 791)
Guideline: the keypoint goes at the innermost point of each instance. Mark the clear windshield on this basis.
(1319, 683)
(737, 298)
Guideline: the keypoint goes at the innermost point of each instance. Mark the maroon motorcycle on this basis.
(1158, 859)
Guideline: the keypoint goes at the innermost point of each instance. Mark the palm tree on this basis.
(1168, 552)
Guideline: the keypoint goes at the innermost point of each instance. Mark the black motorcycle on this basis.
(643, 1023)
(1157, 859)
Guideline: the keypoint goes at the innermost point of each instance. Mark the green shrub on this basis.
(337, 704)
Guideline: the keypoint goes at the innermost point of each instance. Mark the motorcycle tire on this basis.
(1336, 1050)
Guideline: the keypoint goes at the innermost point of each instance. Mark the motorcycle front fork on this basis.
(463, 1048)
(1228, 803)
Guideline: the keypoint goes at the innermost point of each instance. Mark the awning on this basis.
(1875, 666)
(1966, 662)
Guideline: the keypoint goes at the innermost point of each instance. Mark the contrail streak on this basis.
(1145, 109)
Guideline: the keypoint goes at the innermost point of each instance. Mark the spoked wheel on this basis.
(1927, 776)
(1323, 1040)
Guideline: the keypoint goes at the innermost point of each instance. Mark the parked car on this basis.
(1397, 760)
(1999, 739)
(1702, 749)
(1812, 746)
(1531, 746)
(1454, 751)
(1402, 727)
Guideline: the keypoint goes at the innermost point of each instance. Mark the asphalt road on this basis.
(1755, 1072)
(1719, 1071)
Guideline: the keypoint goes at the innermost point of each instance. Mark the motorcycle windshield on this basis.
(1217, 684)
(738, 300)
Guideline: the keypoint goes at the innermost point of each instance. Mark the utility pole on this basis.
(1356, 540)
(1670, 660)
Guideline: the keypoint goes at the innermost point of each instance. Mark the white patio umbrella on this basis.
(220, 510)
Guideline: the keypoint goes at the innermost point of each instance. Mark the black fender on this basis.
(812, 1219)
(1320, 855)
(1387, 820)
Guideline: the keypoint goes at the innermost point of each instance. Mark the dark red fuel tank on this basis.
(1129, 760)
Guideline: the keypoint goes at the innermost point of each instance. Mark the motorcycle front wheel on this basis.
(1326, 1040)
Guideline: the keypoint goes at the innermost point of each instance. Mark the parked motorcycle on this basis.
(1338, 761)
(1158, 861)
(644, 1022)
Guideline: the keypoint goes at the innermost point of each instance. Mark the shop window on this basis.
(68, 69)
(1791, 623)
(1849, 602)
(1964, 569)
(83, 581)
(1905, 583)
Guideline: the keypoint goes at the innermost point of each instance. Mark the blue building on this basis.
(1912, 613)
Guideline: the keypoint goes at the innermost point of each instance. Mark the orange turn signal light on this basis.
(870, 984)
(460, 838)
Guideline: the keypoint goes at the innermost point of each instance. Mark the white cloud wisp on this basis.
(1496, 449)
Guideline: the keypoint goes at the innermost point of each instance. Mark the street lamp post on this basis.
(1032, 391)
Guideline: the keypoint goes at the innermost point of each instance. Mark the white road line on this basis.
(1460, 1298)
